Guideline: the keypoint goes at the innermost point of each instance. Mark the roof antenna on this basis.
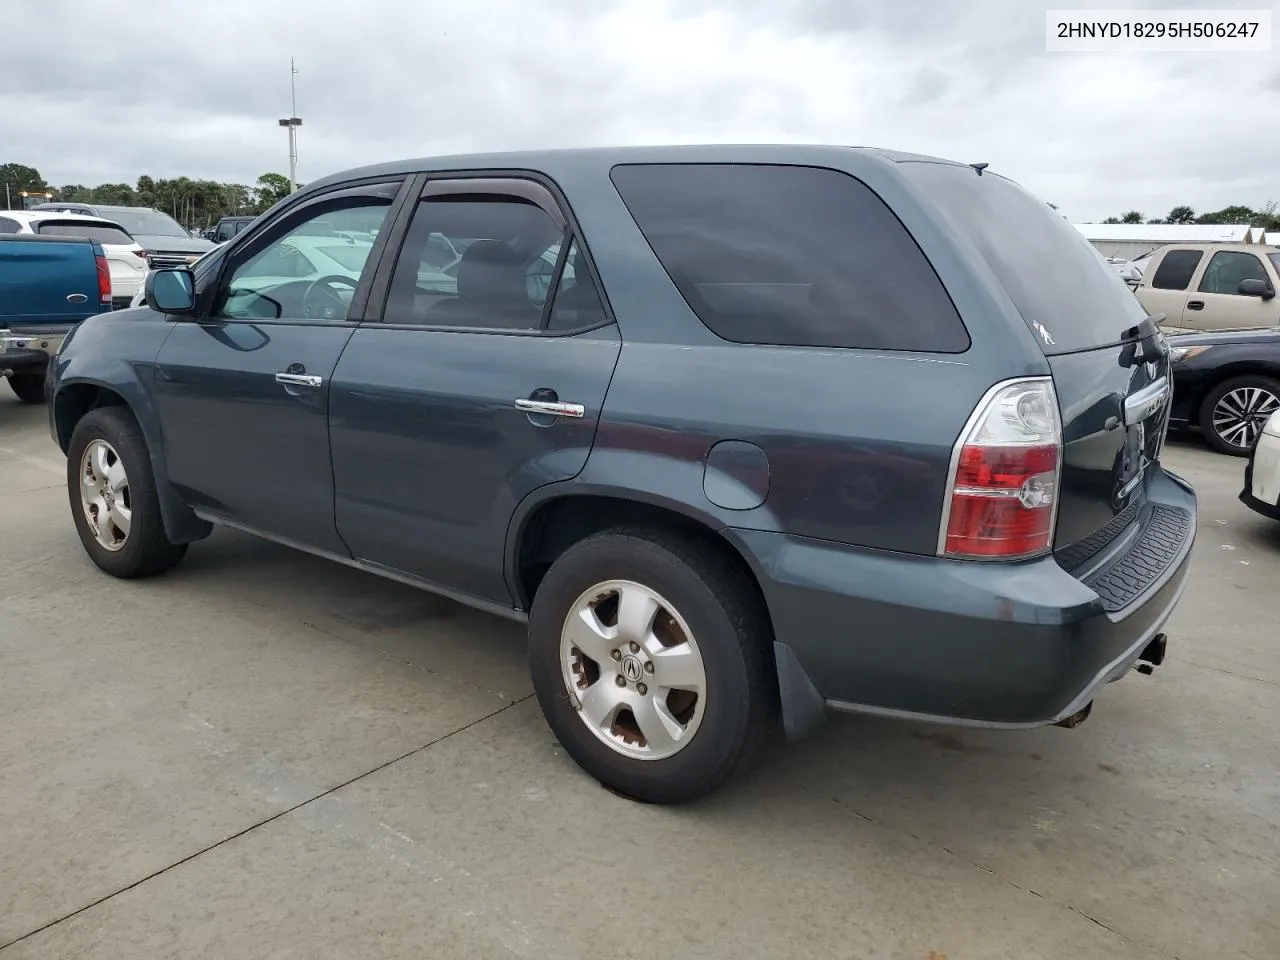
(979, 167)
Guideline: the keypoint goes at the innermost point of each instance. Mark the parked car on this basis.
(227, 228)
(167, 242)
(48, 284)
(1212, 286)
(1131, 270)
(1226, 384)
(809, 428)
(125, 256)
(1262, 474)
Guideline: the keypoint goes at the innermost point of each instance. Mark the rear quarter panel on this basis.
(858, 442)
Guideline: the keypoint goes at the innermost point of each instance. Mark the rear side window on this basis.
(787, 255)
(101, 232)
(1176, 269)
(8, 226)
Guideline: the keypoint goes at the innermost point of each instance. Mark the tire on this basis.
(713, 613)
(143, 550)
(29, 387)
(1220, 419)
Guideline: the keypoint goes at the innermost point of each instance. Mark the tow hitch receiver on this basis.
(1152, 655)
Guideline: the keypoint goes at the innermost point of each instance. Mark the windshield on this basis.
(1054, 276)
(101, 232)
(149, 223)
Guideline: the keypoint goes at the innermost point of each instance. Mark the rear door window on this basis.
(1176, 269)
(790, 255)
(9, 226)
(1066, 292)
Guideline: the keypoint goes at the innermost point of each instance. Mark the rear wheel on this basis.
(29, 387)
(650, 658)
(1233, 413)
(113, 496)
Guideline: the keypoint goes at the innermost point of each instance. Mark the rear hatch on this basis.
(1110, 364)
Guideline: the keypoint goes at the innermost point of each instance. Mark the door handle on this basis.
(1195, 304)
(551, 408)
(299, 379)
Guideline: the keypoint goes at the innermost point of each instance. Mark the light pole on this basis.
(293, 122)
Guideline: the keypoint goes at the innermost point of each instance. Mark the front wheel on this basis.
(651, 660)
(113, 496)
(28, 387)
(1235, 411)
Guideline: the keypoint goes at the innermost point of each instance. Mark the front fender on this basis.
(114, 361)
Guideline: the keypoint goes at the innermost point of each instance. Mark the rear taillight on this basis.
(104, 280)
(1003, 494)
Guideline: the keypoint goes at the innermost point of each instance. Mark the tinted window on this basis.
(790, 255)
(1053, 275)
(290, 277)
(1275, 261)
(101, 232)
(149, 223)
(1176, 269)
(508, 250)
(8, 226)
(577, 301)
(1227, 269)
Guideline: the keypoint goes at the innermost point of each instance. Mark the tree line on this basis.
(1266, 216)
(193, 203)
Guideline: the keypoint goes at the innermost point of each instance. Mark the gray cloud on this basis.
(184, 88)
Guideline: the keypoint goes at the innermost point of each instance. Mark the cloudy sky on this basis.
(182, 87)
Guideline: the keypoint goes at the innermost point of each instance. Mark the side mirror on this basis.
(1256, 288)
(171, 291)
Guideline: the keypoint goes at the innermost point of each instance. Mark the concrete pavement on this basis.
(262, 754)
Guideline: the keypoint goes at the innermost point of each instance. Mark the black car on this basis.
(785, 429)
(1226, 385)
(227, 228)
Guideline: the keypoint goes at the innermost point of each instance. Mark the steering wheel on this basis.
(321, 302)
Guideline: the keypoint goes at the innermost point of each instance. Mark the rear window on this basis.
(101, 232)
(788, 255)
(1054, 276)
(1176, 269)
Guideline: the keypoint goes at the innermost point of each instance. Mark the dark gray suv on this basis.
(740, 432)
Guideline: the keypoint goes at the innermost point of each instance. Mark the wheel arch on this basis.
(1237, 368)
(73, 399)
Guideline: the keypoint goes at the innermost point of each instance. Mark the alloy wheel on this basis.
(633, 670)
(104, 495)
(1238, 417)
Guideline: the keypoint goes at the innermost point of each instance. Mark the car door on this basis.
(1218, 304)
(243, 390)
(478, 383)
(1164, 288)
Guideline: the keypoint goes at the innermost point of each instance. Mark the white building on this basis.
(1125, 241)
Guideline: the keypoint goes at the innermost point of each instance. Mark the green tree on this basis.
(1132, 216)
(1233, 214)
(1181, 214)
(15, 177)
(272, 188)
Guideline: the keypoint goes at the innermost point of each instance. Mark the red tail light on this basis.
(1003, 495)
(104, 280)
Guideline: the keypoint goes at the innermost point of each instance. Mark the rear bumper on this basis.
(1007, 645)
(28, 351)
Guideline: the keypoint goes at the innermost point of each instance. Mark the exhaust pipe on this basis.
(1152, 655)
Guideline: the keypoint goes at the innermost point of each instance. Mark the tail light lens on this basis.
(1003, 496)
(104, 280)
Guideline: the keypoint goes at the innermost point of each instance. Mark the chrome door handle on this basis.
(551, 408)
(299, 379)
